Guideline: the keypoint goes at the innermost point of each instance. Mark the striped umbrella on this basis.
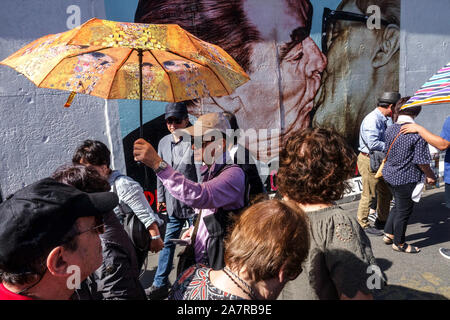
(436, 90)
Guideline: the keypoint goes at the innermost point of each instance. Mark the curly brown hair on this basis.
(315, 165)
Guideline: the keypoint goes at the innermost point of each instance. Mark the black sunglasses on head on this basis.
(329, 15)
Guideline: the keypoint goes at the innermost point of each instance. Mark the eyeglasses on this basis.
(333, 15)
(173, 121)
(99, 228)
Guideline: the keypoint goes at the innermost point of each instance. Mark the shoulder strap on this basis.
(246, 182)
(364, 141)
(391, 145)
(119, 206)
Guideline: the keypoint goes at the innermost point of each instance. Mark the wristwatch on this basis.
(162, 165)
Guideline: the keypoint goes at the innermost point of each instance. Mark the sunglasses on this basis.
(173, 121)
(201, 142)
(333, 15)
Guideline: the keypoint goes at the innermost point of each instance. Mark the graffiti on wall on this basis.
(311, 63)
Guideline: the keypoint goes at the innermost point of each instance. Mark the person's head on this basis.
(362, 64)
(209, 137)
(277, 46)
(49, 230)
(387, 102)
(82, 177)
(315, 165)
(95, 154)
(176, 116)
(411, 111)
(269, 240)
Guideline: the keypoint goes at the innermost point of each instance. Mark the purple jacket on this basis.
(224, 191)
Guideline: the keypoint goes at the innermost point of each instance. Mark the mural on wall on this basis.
(297, 80)
(362, 63)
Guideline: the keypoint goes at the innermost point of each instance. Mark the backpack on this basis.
(136, 230)
(218, 227)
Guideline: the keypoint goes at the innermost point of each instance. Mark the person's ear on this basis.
(389, 44)
(282, 277)
(56, 262)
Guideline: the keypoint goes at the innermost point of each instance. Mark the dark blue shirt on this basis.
(408, 151)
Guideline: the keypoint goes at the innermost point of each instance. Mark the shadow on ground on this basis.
(436, 222)
(395, 292)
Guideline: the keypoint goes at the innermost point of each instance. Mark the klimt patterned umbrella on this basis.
(436, 90)
(118, 60)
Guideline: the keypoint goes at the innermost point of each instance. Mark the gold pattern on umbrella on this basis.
(101, 58)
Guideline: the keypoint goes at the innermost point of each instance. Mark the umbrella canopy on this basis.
(436, 90)
(106, 59)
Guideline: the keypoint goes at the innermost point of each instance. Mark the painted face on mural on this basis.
(362, 63)
(285, 71)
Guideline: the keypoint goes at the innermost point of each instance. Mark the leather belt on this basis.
(365, 154)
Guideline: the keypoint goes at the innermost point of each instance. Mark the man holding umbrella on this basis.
(178, 153)
(223, 188)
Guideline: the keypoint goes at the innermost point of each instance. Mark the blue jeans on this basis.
(165, 260)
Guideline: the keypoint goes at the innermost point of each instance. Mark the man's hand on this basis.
(145, 153)
(157, 244)
(410, 128)
(187, 234)
(431, 181)
(160, 206)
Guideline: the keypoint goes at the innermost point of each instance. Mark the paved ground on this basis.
(425, 275)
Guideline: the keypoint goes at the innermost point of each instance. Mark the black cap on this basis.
(36, 219)
(388, 98)
(177, 110)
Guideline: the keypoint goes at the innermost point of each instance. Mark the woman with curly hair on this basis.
(315, 165)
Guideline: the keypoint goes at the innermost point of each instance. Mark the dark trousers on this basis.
(401, 211)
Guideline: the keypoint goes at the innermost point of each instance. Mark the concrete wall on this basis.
(425, 48)
(37, 134)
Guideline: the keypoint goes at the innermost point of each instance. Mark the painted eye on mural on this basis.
(298, 56)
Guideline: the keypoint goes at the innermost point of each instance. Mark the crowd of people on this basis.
(64, 237)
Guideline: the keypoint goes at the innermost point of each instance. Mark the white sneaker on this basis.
(445, 252)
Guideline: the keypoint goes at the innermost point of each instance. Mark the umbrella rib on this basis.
(206, 66)
(231, 69)
(62, 59)
(117, 70)
(170, 82)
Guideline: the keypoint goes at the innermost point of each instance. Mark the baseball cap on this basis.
(209, 122)
(36, 218)
(388, 98)
(177, 110)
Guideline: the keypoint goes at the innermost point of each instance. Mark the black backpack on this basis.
(136, 230)
(219, 224)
